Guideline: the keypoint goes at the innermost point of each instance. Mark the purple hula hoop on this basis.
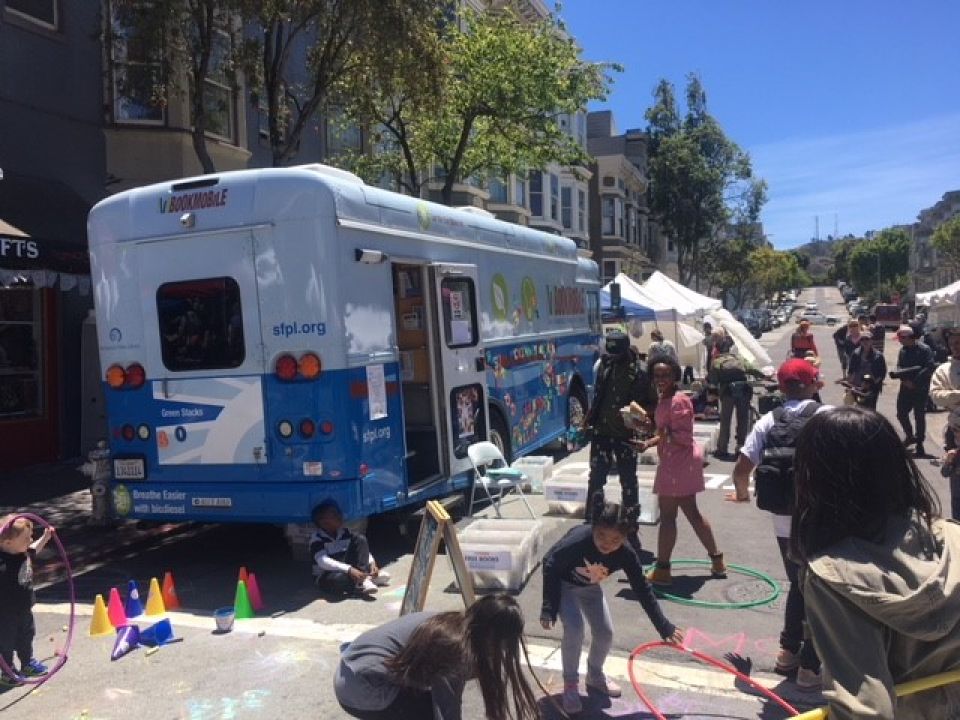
(73, 600)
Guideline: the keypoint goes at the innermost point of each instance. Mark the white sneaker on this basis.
(382, 578)
(570, 700)
(368, 587)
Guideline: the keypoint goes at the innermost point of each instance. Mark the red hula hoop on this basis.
(640, 650)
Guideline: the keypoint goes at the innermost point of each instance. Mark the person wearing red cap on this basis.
(799, 382)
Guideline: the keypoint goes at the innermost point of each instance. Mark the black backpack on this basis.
(773, 478)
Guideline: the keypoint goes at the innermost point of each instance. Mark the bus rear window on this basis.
(201, 324)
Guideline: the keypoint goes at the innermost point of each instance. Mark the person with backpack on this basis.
(769, 450)
(729, 374)
(621, 378)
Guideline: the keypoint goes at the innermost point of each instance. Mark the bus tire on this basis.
(500, 434)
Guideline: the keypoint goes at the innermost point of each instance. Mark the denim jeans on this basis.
(915, 400)
(793, 637)
(728, 403)
(603, 452)
(577, 601)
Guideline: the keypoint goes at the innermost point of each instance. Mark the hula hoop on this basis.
(742, 570)
(73, 601)
(638, 651)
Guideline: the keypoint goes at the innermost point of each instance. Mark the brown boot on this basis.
(717, 567)
(660, 574)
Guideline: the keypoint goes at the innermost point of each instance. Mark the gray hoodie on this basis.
(881, 614)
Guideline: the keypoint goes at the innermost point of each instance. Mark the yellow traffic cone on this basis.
(155, 599)
(100, 622)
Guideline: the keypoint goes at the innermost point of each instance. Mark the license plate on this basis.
(128, 469)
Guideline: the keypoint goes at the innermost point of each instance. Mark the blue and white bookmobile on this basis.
(271, 338)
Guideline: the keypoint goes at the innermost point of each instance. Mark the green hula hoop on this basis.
(749, 572)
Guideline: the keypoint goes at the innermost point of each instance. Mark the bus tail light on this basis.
(309, 366)
(286, 367)
(326, 427)
(136, 376)
(128, 433)
(116, 377)
(307, 428)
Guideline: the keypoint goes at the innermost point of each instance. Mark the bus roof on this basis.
(248, 197)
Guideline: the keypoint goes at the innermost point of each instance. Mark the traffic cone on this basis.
(128, 638)
(134, 607)
(100, 622)
(243, 576)
(115, 609)
(160, 633)
(155, 604)
(253, 590)
(170, 599)
(242, 608)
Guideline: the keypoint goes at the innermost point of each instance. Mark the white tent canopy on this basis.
(943, 296)
(747, 346)
(686, 301)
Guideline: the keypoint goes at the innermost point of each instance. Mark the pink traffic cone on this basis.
(253, 590)
(115, 611)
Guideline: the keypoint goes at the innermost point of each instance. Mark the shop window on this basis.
(201, 324)
(136, 57)
(21, 338)
(459, 312)
(41, 12)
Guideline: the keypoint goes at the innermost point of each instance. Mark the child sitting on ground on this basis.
(342, 559)
(17, 629)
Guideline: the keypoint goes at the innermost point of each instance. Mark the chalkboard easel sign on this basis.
(436, 526)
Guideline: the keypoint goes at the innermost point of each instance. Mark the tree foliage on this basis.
(698, 176)
(492, 106)
(946, 241)
(881, 264)
(337, 36)
(194, 41)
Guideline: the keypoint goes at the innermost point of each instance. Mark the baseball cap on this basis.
(904, 331)
(797, 371)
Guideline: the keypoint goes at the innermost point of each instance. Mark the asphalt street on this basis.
(281, 664)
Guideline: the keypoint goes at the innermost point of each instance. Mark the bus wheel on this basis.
(500, 435)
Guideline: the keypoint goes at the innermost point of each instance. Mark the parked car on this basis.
(750, 322)
(814, 316)
(832, 319)
(811, 306)
(888, 315)
(765, 318)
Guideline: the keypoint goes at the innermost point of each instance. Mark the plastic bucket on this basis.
(224, 617)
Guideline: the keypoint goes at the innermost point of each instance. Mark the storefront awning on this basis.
(43, 235)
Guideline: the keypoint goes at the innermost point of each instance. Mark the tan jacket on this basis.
(945, 385)
(881, 614)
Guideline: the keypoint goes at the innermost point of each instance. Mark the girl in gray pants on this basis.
(572, 572)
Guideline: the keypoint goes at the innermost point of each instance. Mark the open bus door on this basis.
(462, 372)
(204, 352)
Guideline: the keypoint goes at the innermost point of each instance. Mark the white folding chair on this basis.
(490, 468)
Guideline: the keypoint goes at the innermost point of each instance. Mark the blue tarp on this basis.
(633, 310)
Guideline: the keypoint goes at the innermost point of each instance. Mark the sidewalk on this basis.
(60, 494)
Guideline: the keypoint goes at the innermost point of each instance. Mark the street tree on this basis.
(333, 36)
(193, 42)
(696, 173)
(881, 264)
(946, 241)
(493, 105)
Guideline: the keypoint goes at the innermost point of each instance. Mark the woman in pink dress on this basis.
(679, 471)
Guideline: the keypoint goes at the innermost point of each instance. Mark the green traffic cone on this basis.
(242, 608)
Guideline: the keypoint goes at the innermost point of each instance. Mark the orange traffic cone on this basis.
(100, 622)
(155, 599)
(170, 599)
(242, 577)
(253, 590)
(115, 609)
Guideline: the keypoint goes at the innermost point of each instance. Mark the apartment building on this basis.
(927, 271)
(622, 237)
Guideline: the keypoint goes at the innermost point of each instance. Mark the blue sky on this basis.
(850, 109)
